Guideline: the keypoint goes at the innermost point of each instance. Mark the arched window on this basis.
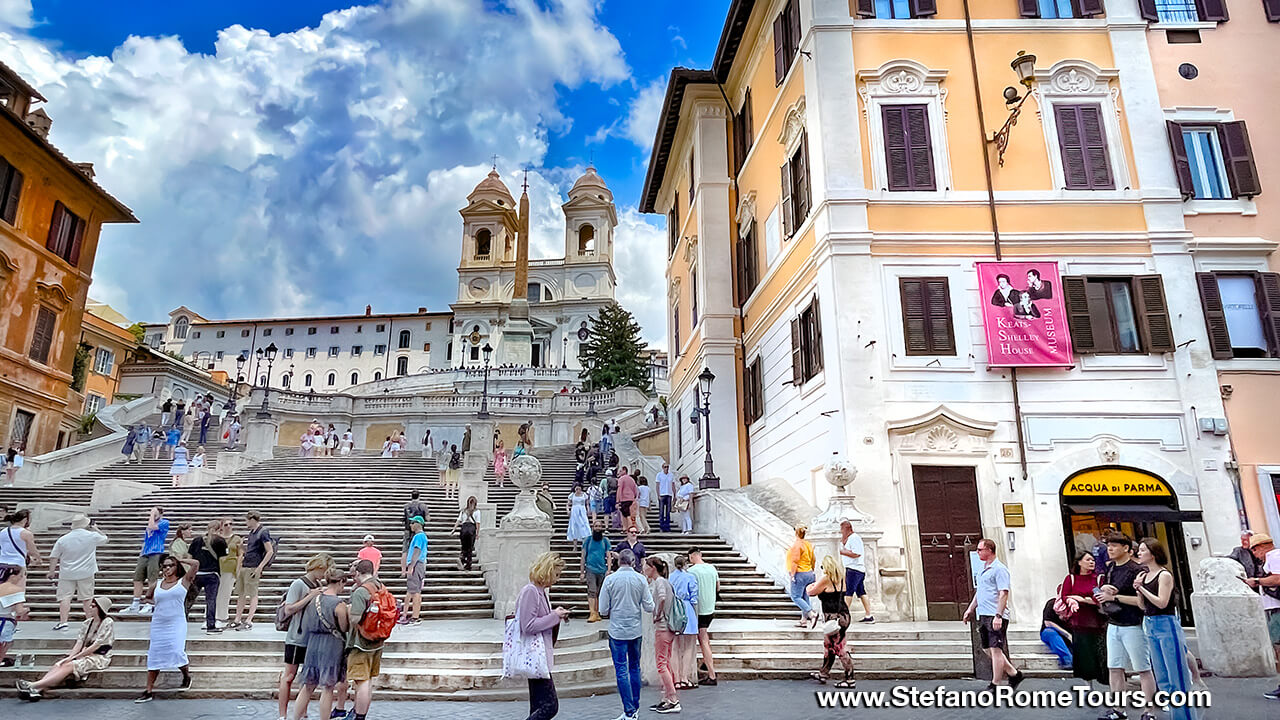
(180, 328)
(405, 337)
(377, 375)
(535, 292)
(402, 365)
(355, 378)
(484, 244)
(332, 379)
(306, 380)
(586, 240)
(284, 381)
(262, 380)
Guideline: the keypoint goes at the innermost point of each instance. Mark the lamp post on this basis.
(1025, 66)
(257, 362)
(235, 389)
(484, 395)
(270, 355)
(564, 351)
(709, 479)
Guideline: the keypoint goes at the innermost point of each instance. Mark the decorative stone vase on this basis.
(1231, 627)
(523, 535)
(824, 531)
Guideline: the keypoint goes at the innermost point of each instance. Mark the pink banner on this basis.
(1024, 315)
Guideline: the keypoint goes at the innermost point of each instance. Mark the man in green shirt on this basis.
(364, 655)
(708, 589)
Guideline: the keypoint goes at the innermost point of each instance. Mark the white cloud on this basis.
(15, 13)
(319, 170)
(642, 115)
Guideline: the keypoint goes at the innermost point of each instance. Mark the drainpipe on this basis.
(995, 224)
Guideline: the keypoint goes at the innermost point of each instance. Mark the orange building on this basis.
(51, 212)
(109, 346)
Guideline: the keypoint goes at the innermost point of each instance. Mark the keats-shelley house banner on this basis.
(1024, 314)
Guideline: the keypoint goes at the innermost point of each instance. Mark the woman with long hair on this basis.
(1088, 629)
(535, 617)
(467, 525)
(500, 463)
(1157, 596)
(579, 525)
(664, 636)
(167, 648)
(17, 544)
(90, 654)
(325, 623)
(829, 589)
(800, 570)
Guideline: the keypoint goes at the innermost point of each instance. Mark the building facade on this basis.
(109, 345)
(51, 213)
(830, 226)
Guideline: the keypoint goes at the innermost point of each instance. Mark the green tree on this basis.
(139, 333)
(611, 355)
(80, 366)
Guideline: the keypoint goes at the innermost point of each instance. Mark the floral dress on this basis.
(104, 635)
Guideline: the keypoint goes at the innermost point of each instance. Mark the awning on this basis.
(1136, 512)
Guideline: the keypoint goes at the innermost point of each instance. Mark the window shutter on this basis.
(1212, 10)
(13, 194)
(1097, 160)
(753, 271)
(1088, 8)
(941, 333)
(54, 243)
(1029, 8)
(738, 152)
(1269, 294)
(42, 337)
(797, 357)
(748, 412)
(740, 269)
(919, 147)
(818, 363)
(748, 124)
(77, 240)
(1272, 9)
(1071, 146)
(1215, 318)
(780, 47)
(1153, 314)
(793, 30)
(924, 8)
(757, 388)
(1147, 9)
(1238, 157)
(866, 8)
(915, 321)
(803, 199)
(895, 147)
(788, 212)
(1082, 140)
(1181, 162)
(1085, 337)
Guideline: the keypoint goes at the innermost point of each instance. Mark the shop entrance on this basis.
(1138, 504)
(950, 528)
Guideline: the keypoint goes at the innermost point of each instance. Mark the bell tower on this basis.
(589, 220)
(489, 225)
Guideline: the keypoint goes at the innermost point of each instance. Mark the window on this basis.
(266, 332)
(786, 39)
(262, 380)
(10, 191)
(103, 361)
(359, 329)
(1117, 315)
(475, 352)
(377, 375)
(1050, 9)
(284, 380)
(426, 347)
(693, 299)
(1082, 142)
(311, 352)
(535, 293)
(333, 329)
(42, 335)
(673, 225)
(287, 353)
(333, 351)
(196, 334)
(405, 339)
(680, 431)
(806, 344)
(1183, 11)
(1241, 313)
(356, 350)
(908, 151)
(675, 328)
(332, 379)
(402, 365)
(448, 352)
(218, 355)
(484, 244)
(311, 331)
(586, 240)
(66, 234)
(747, 259)
(926, 316)
(221, 333)
(743, 133)
(355, 378)
(288, 331)
(1214, 161)
(93, 403)
(428, 327)
(382, 327)
(306, 380)
(795, 188)
(896, 9)
(180, 328)
(753, 392)
(379, 349)
(693, 181)
(244, 333)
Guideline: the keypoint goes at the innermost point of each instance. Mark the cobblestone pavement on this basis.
(1233, 699)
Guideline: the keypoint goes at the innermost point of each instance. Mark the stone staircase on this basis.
(79, 490)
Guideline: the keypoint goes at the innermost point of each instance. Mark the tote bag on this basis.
(523, 656)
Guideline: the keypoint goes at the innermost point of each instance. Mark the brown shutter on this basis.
(77, 240)
(1238, 157)
(1153, 314)
(738, 153)
(896, 160)
(1147, 9)
(1212, 10)
(1088, 8)
(793, 30)
(1215, 318)
(1074, 170)
(12, 196)
(780, 47)
(748, 138)
(746, 395)
(804, 201)
(740, 270)
(42, 337)
(1087, 336)
(866, 8)
(915, 321)
(757, 389)
(919, 148)
(924, 8)
(797, 356)
(1029, 8)
(1269, 294)
(941, 333)
(1181, 161)
(1272, 9)
(1096, 157)
(788, 212)
(818, 363)
(1100, 317)
(753, 272)
(54, 242)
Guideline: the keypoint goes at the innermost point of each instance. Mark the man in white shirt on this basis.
(855, 570)
(74, 563)
(1264, 550)
(666, 493)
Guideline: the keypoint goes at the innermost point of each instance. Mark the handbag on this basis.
(831, 627)
(1061, 606)
(523, 656)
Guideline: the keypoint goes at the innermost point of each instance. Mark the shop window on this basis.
(1118, 314)
(926, 316)
(1241, 313)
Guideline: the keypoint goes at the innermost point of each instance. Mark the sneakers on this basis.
(215, 630)
(60, 626)
(868, 619)
(337, 713)
(186, 683)
(1113, 715)
(1273, 695)
(1016, 680)
(665, 708)
(146, 609)
(133, 609)
(146, 697)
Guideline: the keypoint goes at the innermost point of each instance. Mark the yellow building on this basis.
(830, 185)
(50, 217)
(109, 346)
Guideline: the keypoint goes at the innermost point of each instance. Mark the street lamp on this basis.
(235, 389)
(270, 354)
(1024, 65)
(709, 479)
(257, 362)
(564, 351)
(484, 397)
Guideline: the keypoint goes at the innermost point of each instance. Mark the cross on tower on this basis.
(495, 162)
(526, 178)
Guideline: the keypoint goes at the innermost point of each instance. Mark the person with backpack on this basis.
(666, 623)
(685, 647)
(324, 625)
(373, 615)
(414, 508)
(289, 615)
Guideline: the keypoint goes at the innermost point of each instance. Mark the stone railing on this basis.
(753, 531)
(622, 400)
(96, 453)
(500, 378)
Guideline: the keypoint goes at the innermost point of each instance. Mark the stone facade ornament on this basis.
(1108, 451)
(824, 530)
(521, 537)
(941, 438)
(792, 126)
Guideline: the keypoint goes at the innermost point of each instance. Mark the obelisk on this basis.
(517, 335)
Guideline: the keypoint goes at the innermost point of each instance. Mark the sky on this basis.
(311, 156)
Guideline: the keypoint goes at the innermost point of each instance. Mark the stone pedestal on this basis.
(523, 535)
(824, 531)
(472, 483)
(260, 437)
(1231, 628)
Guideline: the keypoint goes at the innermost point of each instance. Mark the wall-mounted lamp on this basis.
(1024, 66)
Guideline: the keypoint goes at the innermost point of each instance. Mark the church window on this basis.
(586, 240)
(333, 379)
(306, 380)
(475, 352)
(355, 378)
(535, 292)
(484, 244)
(377, 375)
(404, 340)
(180, 328)
(402, 365)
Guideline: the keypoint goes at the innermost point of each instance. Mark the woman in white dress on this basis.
(168, 644)
(386, 447)
(579, 528)
(178, 470)
(197, 466)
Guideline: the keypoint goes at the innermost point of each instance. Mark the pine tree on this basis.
(611, 355)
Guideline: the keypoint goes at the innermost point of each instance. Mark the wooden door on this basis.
(950, 528)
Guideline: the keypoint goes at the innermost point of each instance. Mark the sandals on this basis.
(846, 683)
(819, 677)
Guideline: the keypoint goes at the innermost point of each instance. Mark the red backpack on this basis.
(380, 615)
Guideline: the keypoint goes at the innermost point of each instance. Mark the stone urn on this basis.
(525, 473)
(824, 531)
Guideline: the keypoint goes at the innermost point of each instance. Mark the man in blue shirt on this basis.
(991, 600)
(595, 565)
(413, 567)
(666, 494)
(623, 597)
(148, 568)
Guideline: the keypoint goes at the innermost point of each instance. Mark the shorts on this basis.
(8, 626)
(594, 581)
(854, 583)
(295, 654)
(704, 621)
(363, 665)
(417, 573)
(147, 569)
(624, 507)
(1127, 648)
(246, 583)
(1273, 626)
(82, 589)
(991, 637)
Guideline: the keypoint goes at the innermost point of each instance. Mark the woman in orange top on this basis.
(800, 570)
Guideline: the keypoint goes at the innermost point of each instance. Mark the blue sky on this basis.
(308, 156)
